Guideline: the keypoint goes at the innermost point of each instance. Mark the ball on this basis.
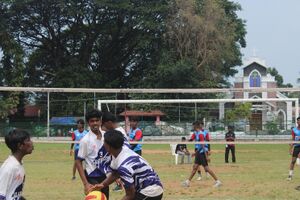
(95, 195)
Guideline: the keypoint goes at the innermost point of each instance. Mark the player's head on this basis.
(230, 128)
(183, 139)
(80, 125)
(134, 121)
(113, 140)
(109, 121)
(93, 118)
(18, 140)
(197, 125)
(298, 121)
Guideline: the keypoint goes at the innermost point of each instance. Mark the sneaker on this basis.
(186, 183)
(217, 184)
(117, 188)
(199, 178)
(289, 178)
(73, 178)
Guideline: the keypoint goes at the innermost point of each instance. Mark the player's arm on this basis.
(291, 145)
(72, 144)
(130, 193)
(193, 136)
(82, 153)
(110, 178)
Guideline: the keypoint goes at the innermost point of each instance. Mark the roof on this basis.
(151, 113)
(63, 120)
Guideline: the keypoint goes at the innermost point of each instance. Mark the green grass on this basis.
(260, 173)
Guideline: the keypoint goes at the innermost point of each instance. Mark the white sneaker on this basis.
(199, 178)
(289, 178)
(186, 183)
(217, 184)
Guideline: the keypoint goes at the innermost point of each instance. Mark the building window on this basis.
(255, 79)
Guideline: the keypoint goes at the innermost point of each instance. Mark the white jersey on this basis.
(12, 178)
(134, 170)
(92, 151)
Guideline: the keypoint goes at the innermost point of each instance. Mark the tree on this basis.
(206, 36)
(278, 78)
(11, 65)
(240, 111)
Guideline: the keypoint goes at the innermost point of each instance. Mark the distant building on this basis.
(254, 75)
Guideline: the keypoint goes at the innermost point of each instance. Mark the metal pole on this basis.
(297, 110)
(196, 114)
(94, 99)
(48, 114)
(179, 113)
(84, 109)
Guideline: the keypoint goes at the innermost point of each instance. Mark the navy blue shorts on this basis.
(76, 154)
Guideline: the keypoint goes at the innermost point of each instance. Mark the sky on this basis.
(273, 34)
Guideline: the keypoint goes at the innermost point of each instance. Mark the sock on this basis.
(291, 173)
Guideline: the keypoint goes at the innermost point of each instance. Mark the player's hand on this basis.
(291, 151)
(119, 182)
(193, 154)
(209, 153)
(71, 152)
(99, 186)
(88, 188)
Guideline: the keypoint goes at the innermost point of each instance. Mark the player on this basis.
(140, 181)
(12, 173)
(201, 154)
(77, 135)
(93, 153)
(230, 137)
(294, 148)
(135, 134)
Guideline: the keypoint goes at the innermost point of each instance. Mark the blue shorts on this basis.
(76, 154)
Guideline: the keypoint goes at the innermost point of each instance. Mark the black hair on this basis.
(230, 127)
(108, 116)
(114, 139)
(80, 121)
(16, 137)
(95, 113)
(183, 138)
(298, 118)
(134, 119)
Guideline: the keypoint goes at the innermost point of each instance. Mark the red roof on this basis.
(151, 113)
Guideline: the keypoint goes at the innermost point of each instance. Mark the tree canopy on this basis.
(118, 44)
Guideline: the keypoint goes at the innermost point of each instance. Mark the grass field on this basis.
(260, 173)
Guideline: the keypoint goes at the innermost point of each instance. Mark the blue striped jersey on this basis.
(135, 171)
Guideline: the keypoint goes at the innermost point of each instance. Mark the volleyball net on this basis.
(164, 114)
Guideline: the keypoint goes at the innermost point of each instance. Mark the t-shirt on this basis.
(92, 151)
(77, 136)
(180, 147)
(230, 137)
(12, 178)
(136, 135)
(296, 135)
(134, 170)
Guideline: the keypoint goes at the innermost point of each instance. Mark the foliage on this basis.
(278, 78)
(239, 112)
(272, 127)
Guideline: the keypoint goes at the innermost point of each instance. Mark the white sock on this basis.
(291, 172)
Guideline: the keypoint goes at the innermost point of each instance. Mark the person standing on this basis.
(93, 153)
(12, 173)
(294, 148)
(77, 135)
(135, 134)
(201, 155)
(230, 137)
